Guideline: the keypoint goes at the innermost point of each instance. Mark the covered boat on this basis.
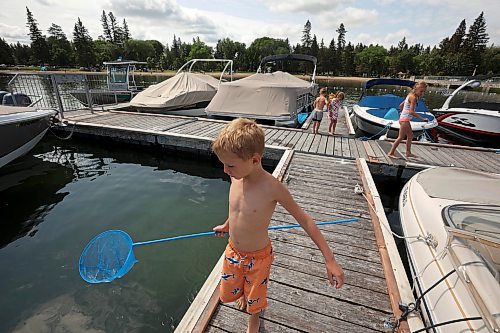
(276, 97)
(451, 222)
(378, 115)
(478, 122)
(187, 93)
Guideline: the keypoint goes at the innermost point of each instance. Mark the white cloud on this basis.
(310, 6)
(13, 34)
(393, 38)
(357, 16)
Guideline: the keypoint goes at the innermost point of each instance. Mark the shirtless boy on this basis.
(319, 107)
(253, 196)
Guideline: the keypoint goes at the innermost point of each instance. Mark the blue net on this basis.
(108, 256)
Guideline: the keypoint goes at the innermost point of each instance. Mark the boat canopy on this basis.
(290, 57)
(450, 183)
(268, 95)
(182, 90)
(388, 82)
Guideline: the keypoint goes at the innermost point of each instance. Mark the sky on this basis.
(383, 22)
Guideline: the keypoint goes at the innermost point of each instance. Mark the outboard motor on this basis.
(16, 99)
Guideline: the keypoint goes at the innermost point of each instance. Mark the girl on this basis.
(333, 110)
(407, 113)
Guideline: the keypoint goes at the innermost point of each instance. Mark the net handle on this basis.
(208, 233)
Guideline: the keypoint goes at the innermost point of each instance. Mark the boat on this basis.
(477, 122)
(120, 82)
(21, 128)
(275, 98)
(186, 93)
(450, 219)
(378, 115)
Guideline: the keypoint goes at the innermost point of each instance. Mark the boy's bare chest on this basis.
(249, 201)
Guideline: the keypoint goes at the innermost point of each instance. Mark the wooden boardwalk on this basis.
(300, 297)
(341, 145)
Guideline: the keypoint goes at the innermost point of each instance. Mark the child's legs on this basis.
(401, 135)
(253, 323)
(409, 136)
(256, 280)
(334, 125)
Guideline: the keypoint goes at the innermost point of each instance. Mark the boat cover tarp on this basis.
(461, 185)
(261, 95)
(182, 90)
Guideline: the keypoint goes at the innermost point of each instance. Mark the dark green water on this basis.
(58, 197)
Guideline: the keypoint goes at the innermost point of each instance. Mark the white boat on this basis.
(187, 93)
(275, 98)
(478, 122)
(378, 115)
(21, 128)
(451, 222)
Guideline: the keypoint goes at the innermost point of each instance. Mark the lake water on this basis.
(57, 198)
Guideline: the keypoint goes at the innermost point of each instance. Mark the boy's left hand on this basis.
(335, 274)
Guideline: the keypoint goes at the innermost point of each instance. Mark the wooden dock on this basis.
(321, 171)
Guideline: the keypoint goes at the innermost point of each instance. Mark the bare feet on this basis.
(330, 133)
(393, 156)
(242, 303)
(410, 155)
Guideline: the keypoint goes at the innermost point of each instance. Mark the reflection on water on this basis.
(54, 200)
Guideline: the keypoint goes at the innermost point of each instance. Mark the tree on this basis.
(475, 43)
(139, 50)
(372, 60)
(200, 50)
(126, 32)
(83, 44)
(314, 47)
(264, 46)
(107, 35)
(21, 53)
(340, 46)
(306, 37)
(332, 62)
(5, 53)
(39, 45)
(60, 50)
(116, 30)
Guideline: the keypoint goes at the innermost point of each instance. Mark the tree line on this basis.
(463, 53)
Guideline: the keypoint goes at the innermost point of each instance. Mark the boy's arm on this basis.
(334, 271)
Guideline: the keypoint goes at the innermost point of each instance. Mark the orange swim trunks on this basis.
(246, 273)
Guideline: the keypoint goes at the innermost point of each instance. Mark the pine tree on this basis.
(475, 43)
(105, 26)
(59, 47)
(126, 32)
(340, 47)
(306, 36)
(83, 45)
(457, 39)
(6, 56)
(38, 42)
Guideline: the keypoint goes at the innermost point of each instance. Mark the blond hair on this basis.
(419, 84)
(340, 94)
(242, 137)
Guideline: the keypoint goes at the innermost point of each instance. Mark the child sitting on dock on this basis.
(319, 107)
(253, 196)
(334, 104)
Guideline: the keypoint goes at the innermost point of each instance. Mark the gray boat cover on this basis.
(182, 90)
(461, 185)
(266, 96)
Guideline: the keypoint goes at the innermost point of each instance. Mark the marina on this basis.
(331, 177)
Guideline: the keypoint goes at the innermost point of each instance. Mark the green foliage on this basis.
(84, 47)
(5, 53)
(262, 47)
(372, 60)
(139, 50)
(60, 51)
(39, 45)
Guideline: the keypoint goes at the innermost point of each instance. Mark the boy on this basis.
(253, 195)
(319, 106)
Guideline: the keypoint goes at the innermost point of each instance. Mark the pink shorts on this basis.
(246, 273)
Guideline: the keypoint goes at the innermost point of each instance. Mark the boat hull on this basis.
(471, 125)
(377, 126)
(19, 133)
(103, 97)
(421, 214)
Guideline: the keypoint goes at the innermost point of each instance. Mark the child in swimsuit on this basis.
(253, 196)
(407, 113)
(333, 110)
(319, 106)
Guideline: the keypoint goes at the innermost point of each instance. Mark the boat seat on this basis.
(392, 114)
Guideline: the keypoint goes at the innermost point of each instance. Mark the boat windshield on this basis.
(118, 74)
(479, 226)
